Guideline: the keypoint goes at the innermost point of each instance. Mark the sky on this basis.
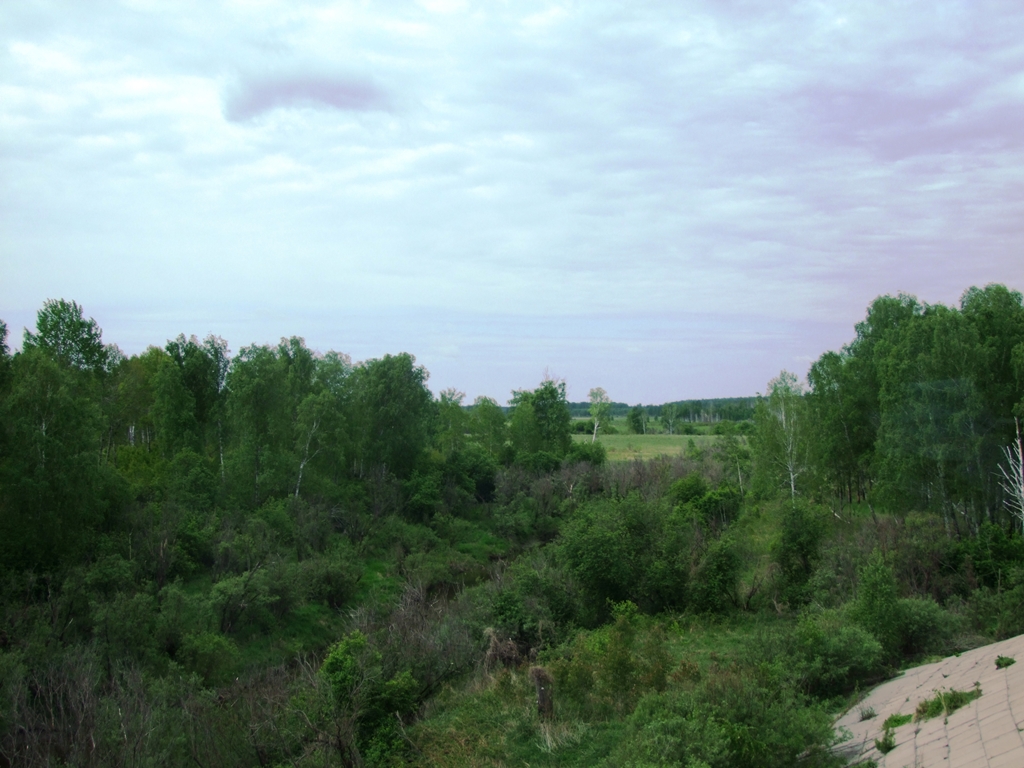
(669, 200)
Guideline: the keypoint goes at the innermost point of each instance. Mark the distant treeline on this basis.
(703, 411)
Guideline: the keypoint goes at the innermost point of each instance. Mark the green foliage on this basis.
(714, 583)
(689, 488)
(179, 541)
(877, 605)
(637, 420)
(540, 423)
(592, 453)
(887, 743)
(393, 409)
(365, 702)
(796, 551)
(628, 549)
(1000, 612)
(209, 654)
(1002, 662)
(538, 604)
(53, 492)
(605, 672)
(63, 333)
(991, 555)
(903, 626)
(824, 655)
(895, 720)
(781, 440)
(945, 703)
(730, 719)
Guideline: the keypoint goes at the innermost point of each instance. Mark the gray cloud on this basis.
(255, 96)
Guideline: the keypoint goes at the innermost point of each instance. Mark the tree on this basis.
(671, 414)
(394, 408)
(1013, 475)
(780, 433)
(257, 405)
(452, 421)
(600, 408)
(5, 356)
(51, 483)
(64, 334)
(541, 420)
(487, 425)
(322, 436)
(638, 419)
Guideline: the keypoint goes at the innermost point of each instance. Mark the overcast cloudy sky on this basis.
(666, 199)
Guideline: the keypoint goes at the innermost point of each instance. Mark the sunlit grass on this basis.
(630, 447)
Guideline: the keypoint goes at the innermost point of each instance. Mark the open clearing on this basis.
(629, 447)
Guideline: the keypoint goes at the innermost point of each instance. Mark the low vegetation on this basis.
(944, 703)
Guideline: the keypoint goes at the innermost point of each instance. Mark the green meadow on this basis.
(643, 447)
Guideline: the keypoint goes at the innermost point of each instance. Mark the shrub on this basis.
(796, 550)
(945, 703)
(876, 606)
(713, 585)
(332, 578)
(626, 550)
(729, 719)
(923, 627)
(688, 488)
(365, 701)
(830, 656)
(593, 453)
(607, 670)
(895, 720)
(1002, 662)
(210, 655)
(887, 743)
(999, 613)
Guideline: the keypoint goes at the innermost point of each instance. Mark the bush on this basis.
(831, 656)
(332, 579)
(365, 702)
(903, 627)
(924, 627)
(796, 551)
(896, 720)
(210, 655)
(606, 671)
(887, 743)
(537, 604)
(730, 719)
(627, 549)
(999, 613)
(592, 453)
(714, 582)
(688, 488)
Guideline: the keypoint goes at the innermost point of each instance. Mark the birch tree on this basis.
(780, 437)
(600, 409)
(1012, 473)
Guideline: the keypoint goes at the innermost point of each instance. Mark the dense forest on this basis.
(284, 558)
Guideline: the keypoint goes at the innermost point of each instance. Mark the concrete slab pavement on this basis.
(987, 733)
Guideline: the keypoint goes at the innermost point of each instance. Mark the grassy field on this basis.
(629, 447)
